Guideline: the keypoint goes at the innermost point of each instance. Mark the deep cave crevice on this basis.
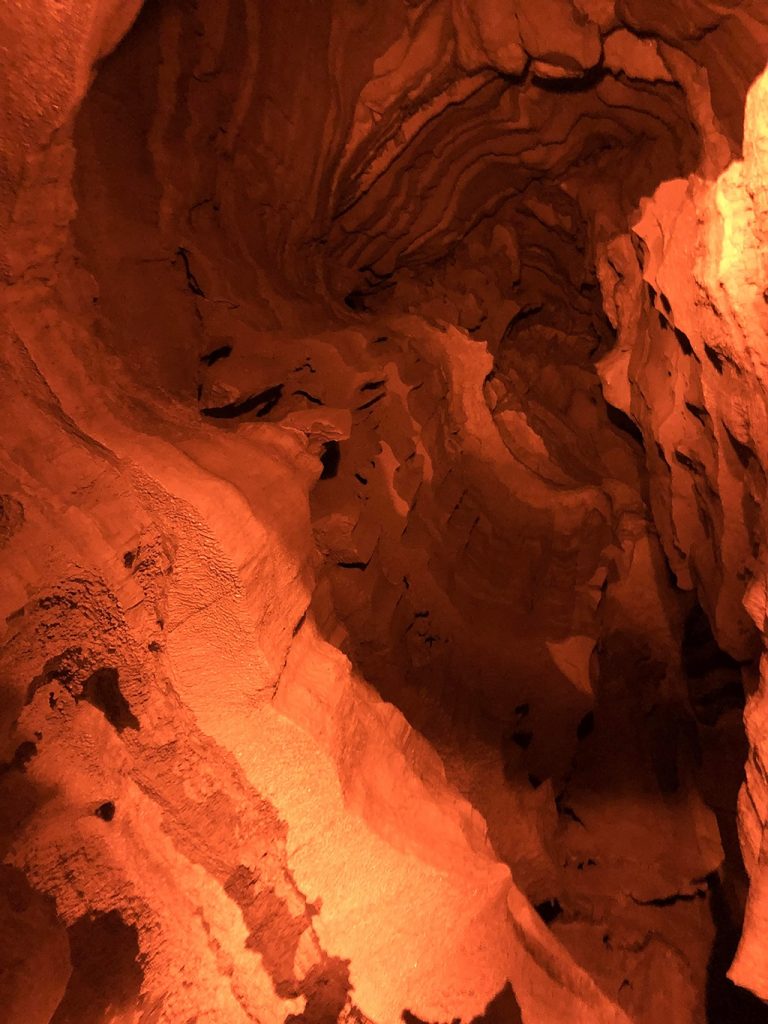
(106, 974)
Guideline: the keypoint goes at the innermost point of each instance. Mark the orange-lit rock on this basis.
(381, 512)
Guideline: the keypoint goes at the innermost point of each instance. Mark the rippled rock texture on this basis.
(382, 511)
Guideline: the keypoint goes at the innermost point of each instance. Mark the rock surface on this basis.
(383, 465)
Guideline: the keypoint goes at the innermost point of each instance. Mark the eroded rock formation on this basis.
(383, 472)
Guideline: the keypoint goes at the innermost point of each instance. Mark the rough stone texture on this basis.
(704, 267)
(381, 492)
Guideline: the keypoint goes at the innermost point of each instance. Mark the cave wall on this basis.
(383, 397)
(701, 271)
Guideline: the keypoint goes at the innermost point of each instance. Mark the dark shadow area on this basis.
(714, 677)
(621, 421)
(102, 690)
(502, 1009)
(106, 976)
(549, 910)
(33, 948)
(330, 457)
(261, 404)
(581, 82)
(727, 1003)
(21, 795)
(716, 693)
(326, 988)
(106, 811)
(222, 352)
(273, 930)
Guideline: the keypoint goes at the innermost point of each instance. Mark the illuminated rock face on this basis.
(381, 511)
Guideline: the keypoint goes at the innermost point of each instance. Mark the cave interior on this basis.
(385, 434)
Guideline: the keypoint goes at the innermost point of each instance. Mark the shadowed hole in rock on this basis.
(727, 1003)
(684, 342)
(102, 690)
(22, 755)
(356, 301)
(105, 811)
(744, 453)
(714, 677)
(310, 398)
(549, 910)
(106, 976)
(621, 421)
(696, 410)
(586, 726)
(714, 357)
(330, 458)
(222, 352)
(262, 404)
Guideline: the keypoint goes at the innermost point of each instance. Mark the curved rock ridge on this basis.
(382, 512)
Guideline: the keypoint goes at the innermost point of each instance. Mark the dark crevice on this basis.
(22, 755)
(102, 690)
(700, 651)
(105, 811)
(583, 81)
(355, 300)
(696, 410)
(727, 1003)
(549, 910)
(330, 458)
(526, 313)
(672, 899)
(684, 342)
(692, 464)
(714, 357)
(586, 726)
(371, 402)
(299, 624)
(744, 453)
(106, 976)
(192, 282)
(309, 398)
(223, 352)
(625, 423)
(262, 403)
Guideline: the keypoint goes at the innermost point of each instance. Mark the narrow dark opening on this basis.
(102, 689)
(106, 976)
(330, 457)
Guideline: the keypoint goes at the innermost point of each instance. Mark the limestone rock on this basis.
(382, 512)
